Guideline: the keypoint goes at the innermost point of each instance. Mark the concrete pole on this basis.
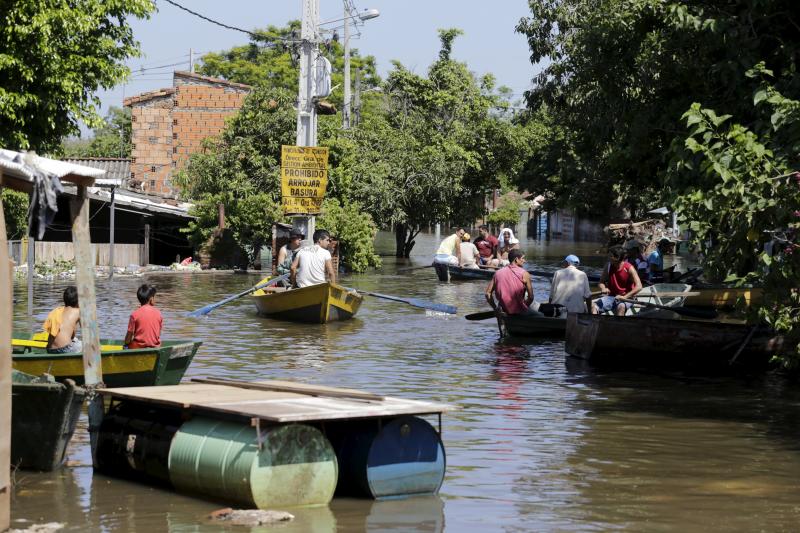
(357, 99)
(347, 99)
(5, 376)
(306, 108)
(191, 61)
(111, 235)
(90, 331)
(146, 244)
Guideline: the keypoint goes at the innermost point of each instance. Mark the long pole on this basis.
(306, 110)
(5, 376)
(111, 235)
(90, 331)
(346, 103)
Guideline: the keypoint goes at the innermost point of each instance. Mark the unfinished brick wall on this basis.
(170, 124)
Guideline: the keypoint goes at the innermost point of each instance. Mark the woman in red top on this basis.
(144, 326)
(619, 282)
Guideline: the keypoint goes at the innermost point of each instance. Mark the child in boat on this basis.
(144, 326)
(62, 323)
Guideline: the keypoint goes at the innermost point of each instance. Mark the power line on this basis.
(212, 21)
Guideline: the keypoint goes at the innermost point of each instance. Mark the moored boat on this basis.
(450, 272)
(164, 365)
(321, 303)
(43, 418)
(645, 341)
(725, 297)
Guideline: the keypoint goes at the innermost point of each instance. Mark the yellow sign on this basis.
(304, 178)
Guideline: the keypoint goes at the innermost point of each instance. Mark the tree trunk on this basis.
(404, 240)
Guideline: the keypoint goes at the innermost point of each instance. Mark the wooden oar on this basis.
(416, 302)
(685, 311)
(210, 307)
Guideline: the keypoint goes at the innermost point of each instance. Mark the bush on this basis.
(354, 229)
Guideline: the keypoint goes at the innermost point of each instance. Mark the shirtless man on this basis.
(62, 323)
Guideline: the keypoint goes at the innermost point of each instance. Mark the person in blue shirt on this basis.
(656, 260)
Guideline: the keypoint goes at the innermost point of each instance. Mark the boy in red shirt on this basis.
(144, 326)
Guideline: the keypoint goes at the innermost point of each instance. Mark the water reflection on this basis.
(536, 445)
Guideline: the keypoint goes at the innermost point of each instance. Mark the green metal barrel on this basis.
(295, 465)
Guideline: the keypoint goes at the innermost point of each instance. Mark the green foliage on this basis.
(354, 229)
(112, 139)
(270, 61)
(507, 211)
(54, 55)
(15, 209)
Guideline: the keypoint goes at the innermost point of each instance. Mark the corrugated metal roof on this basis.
(117, 169)
(19, 165)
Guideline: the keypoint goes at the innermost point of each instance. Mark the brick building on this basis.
(170, 124)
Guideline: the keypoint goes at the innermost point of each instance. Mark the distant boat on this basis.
(142, 367)
(43, 418)
(450, 272)
(321, 303)
(725, 297)
(647, 341)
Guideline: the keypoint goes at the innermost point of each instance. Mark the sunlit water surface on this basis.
(539, 443)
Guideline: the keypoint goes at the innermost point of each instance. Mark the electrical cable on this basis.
(212, 21)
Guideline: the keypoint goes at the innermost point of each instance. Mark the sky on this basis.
(404, 31)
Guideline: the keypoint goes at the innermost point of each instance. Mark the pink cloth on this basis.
(510, 289)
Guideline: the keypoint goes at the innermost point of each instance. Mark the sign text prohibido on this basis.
(304, 178)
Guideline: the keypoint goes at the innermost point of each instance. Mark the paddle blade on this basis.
(203, 310)
(439, 308)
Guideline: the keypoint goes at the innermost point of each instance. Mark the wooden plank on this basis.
(290, 386)
(5, 376)
(274, 406)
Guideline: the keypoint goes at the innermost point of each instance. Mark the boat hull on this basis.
(319, 304)
(533, 326)
(643, 341)
(724, 297)
(164, 365)
(43, 419)
(449, 272)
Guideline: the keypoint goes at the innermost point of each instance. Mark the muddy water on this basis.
(539, 444)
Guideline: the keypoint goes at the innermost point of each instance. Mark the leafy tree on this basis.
(15, 208)
(355, 231)
(270, 60)
(54, 55)
(112, 139)
(507, 211)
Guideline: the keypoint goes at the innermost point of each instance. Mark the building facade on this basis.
(170, 124)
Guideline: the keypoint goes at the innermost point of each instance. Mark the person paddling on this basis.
(618, 283)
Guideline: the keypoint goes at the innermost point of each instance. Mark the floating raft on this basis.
(272, 443)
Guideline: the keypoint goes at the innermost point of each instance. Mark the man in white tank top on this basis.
(312, 263)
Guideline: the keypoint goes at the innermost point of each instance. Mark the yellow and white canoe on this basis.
(322, 303)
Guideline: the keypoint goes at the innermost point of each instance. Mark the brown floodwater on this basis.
(540, 443)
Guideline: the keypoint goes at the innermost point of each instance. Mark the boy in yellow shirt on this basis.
(62, 323)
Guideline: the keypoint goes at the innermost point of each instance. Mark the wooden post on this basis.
(111, 235)
(84, 276)
(31, 269)
(146, 244)
(5, 376)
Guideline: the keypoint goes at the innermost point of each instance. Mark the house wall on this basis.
(169, 125)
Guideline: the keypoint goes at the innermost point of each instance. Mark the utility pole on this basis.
(357, 100)
(191, 61)
(306, 108)
(346, 103)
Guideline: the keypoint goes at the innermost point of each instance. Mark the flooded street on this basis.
(537, 444)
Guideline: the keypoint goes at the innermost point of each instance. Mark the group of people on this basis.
(511, 288)
(144, 324)
(650, 268)
(486, 251)
(309, 265)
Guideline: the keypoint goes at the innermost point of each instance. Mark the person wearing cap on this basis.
(469, 253)
(449, 251)
(656, 259)
(288, 251)
(570, 287)
(511, 289)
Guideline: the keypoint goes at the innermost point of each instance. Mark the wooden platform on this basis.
(275, 401)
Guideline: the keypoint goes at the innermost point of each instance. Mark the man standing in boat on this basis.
(512, 288)
(570, 287)
(449, 252)
(618, 283)
(312, 264)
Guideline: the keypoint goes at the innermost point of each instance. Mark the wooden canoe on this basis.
(449, 272)
(44, 414)
(322, 303)
(725, 297)
(164, 365)
(645, 341)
